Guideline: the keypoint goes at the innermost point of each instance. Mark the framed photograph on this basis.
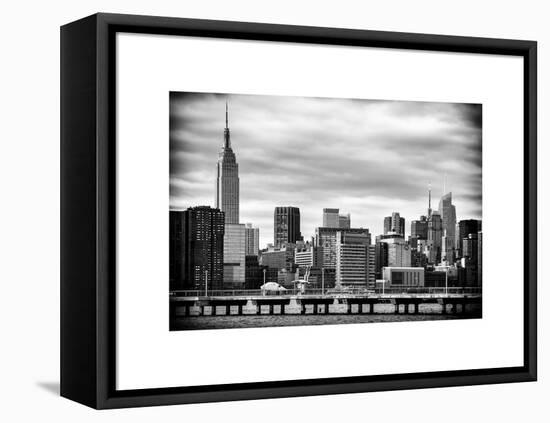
(258, 211)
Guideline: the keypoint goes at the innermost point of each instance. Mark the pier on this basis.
(230, 303)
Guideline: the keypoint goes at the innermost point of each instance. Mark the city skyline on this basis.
(276, 169)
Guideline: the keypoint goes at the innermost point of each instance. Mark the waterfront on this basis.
(235, 322)
(265, 320)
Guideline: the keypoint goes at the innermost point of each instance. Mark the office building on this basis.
(465, 228)
(279, 257)
(399, 255)
(196, 248)
(331, 218)
(252, 240)
(479, 258)
(381, 258)
(227, 180)
(435, 233)
(419, 228)
(344, 221)
(403, 277)
(352, 259)
(469, 260)
(234, 256)
(326, 238)
(286, 226)
(394, 224)
(448, 217)
(309, 256)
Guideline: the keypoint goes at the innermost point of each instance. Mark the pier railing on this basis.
(328, 292)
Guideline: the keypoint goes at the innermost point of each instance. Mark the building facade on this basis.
(234, 256)
(344, 221)
(399, 255)
(405, 277)
(419, 228)
(286, 225)
(196, 248)
(331, 218)
(465, 228)
(352, 259)
(252, 240)
(448, 216)
(394, 224)
(326, 239)
(435, 233)
(227, 179)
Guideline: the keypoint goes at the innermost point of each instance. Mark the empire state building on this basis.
(227, 181)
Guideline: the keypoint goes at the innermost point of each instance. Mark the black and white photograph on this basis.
(289, 211)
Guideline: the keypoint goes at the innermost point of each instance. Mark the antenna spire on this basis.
(226, 135)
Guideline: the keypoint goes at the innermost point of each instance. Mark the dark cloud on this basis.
(366, 157)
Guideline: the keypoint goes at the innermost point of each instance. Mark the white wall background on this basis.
(29, 211)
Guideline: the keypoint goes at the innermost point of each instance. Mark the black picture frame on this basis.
(88, 201)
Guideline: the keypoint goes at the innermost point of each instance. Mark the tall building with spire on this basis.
(227, 181)
(227, 200)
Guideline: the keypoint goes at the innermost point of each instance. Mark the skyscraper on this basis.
(435, 234)
(448, 222)
(286, 225)
(196, 248)
(394, 223)
(252, 240)
(227, 181)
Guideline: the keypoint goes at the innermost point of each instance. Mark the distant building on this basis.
(331, 218)
(253, 275)
(371, 266)
(234, 253)
(405, 277)
(326, 238)
(281, 258)
(447, 248)
(286, 225)
(391, 238)
(196, 248)
(399, 255)
(479, 258)
(395, 224)
(310, 256)
(252, 240)
(352, 259)
(344, 221)
(435, 279)
(435, 233)
(419, 228)
(380, 257)
(465, 228)
(469, 260)
(448, 220)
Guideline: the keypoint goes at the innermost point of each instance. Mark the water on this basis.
(254, 321)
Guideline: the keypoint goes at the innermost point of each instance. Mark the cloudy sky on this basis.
(365, 157)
